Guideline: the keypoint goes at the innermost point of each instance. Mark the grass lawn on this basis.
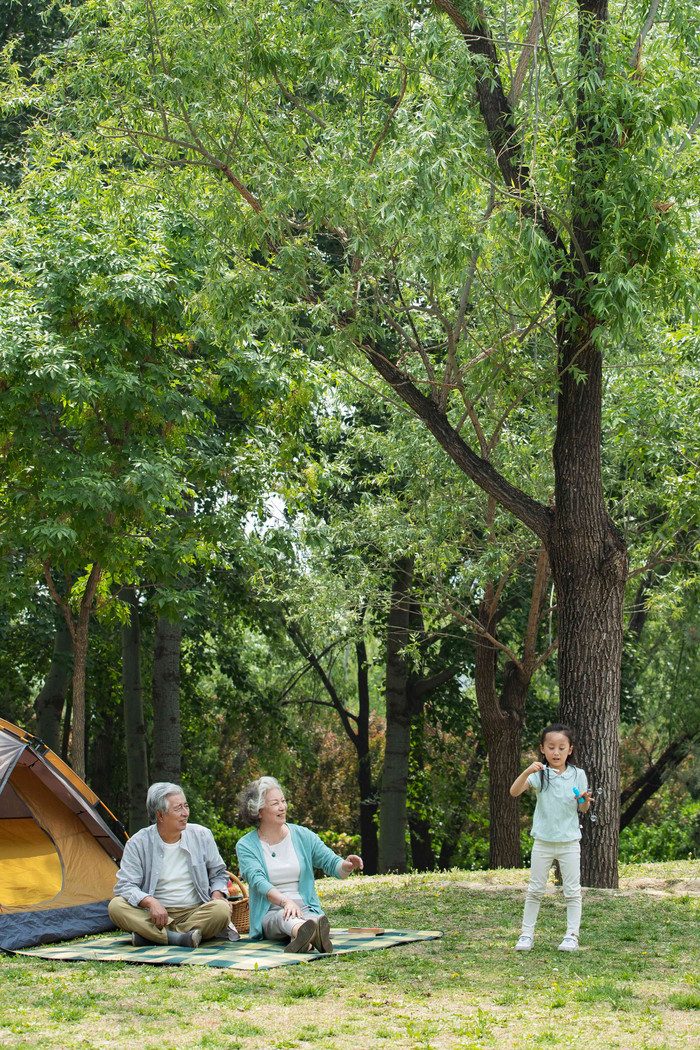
(634, 983)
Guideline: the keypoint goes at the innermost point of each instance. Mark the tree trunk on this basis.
(368, 800)
(356, 729)
(502, 721)
(134, 721)
(48, 705)
(65, 734)
(368, 811)
(167, 743)
(505, 844)
(422, 853)
(78, 740)
(79, 632)
(454, 822)
(502, 726)
(104, 778)
(589, 567)
(405, 698)
(392, 807)
(590, 591)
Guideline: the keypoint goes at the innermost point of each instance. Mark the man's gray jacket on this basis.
(143, 859)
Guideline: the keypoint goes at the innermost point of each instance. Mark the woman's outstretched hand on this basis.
(352, 863)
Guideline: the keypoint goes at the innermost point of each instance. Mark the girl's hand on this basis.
(586, 795)
(520, 783)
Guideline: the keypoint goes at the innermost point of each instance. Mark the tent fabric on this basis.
(31, 867)
(88, 872)
(59, 847)
(10, 750)
(27, 929)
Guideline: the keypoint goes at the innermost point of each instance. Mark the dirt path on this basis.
(628, 886)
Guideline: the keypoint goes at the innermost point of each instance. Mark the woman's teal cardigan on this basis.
(311, 853)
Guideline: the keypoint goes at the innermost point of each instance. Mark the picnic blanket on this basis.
(230, 955)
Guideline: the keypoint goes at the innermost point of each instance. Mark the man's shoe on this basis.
(525, 943)
(322, 938)
(569, 944)
(303, 937)
(190, 939)
(141, 942)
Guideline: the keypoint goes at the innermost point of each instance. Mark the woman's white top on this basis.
(557, 810)
(283, 867)
(175, 887)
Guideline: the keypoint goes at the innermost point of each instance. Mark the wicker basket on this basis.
(240, 906)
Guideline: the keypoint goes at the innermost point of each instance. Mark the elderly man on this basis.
(172, 883)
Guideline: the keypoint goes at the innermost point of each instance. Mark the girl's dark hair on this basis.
(556, 727)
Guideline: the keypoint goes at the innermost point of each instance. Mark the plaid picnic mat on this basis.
(231, 955)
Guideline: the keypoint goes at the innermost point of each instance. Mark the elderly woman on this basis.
(277, 861)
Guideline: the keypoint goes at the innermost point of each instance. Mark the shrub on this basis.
(226, 838)
(676, 836)
(341, 843)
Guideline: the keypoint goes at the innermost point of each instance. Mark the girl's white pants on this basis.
(543, 856)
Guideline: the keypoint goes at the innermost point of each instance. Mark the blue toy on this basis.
(579, 797)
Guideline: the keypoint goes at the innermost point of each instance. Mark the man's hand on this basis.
(219, 895)
(158, 913)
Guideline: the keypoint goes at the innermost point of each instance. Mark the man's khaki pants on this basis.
(211, 918)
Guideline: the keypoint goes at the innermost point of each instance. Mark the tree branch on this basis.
(63, 605)
(533, 514)
(345, 715)
(297, 103)
(537, 600)
(498, 116)
(636, 56)
(529, 48)
(642, 789)
(425, 686)
(390, 117)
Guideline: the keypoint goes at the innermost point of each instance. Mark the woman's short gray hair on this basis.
(157, 800)
(252, 799)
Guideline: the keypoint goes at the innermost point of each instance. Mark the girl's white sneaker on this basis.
(524, 944)
(569, 944)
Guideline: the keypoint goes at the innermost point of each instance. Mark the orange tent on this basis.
(59, 847)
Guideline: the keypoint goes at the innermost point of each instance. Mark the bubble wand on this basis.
(581, 798)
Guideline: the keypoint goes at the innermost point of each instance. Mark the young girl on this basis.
(562, 793)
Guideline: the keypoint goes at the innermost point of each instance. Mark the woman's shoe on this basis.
(303, 937)
(322, 938)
